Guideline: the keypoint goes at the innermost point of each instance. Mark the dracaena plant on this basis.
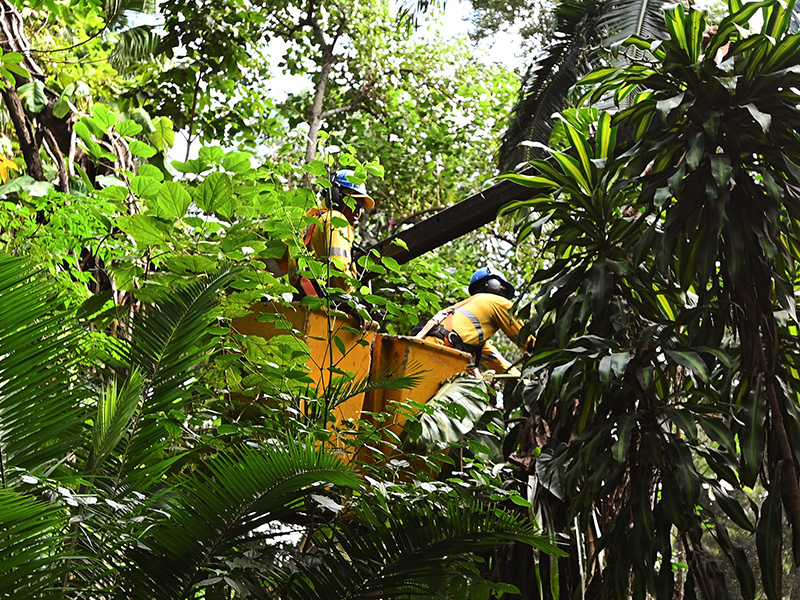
(664, 367)
(612, 381)
(717, 131)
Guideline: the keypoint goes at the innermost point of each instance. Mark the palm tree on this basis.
(583, 34)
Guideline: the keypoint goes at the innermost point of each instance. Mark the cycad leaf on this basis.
(455, 409)
(404, 551)
(40, 403)
(30, 547)
(115, 411)
(134, 45)
(224, 505)
(168, 341)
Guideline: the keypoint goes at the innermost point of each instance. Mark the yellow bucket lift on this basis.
(364, 354)
(333, 340)
(401, 355)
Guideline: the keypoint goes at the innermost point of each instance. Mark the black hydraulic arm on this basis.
(453, 222)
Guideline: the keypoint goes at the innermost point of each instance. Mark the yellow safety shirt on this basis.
(477, 319)
(335, 242)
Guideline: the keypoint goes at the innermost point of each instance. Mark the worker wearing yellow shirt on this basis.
(331, 236)
(468, 325)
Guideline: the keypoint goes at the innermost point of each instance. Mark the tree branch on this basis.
(27, 143)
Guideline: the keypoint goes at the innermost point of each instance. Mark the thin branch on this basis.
(336, 111)
(51, 145)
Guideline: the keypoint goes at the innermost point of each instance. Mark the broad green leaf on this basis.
(605, 137)
(145, 187)
(530, 180)
(173, 200)
(733, 509)
(195, 166)
(144, 229)
(752, 436)
(138, 148)
(128, 128)
(163, 134)
(666, 106)
(762, 118)
(103, 117)
(741, 563)
(210, 154)
(769, 534)
(237, 162)
(690, 360)
(62, 107)
(718, 431)
(214, 192)
(83, 131)
(614, 366)
(683, 419)
(581, 148)
(140, 116)
(693, 157)
(192, 264)
(644, 376)
(573, 170)
(151, 171)
(33, 96)
(623, 442)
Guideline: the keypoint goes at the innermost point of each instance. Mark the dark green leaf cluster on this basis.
(663, 388)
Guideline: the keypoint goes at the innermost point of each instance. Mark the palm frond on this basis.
(214, 511)
(407, 550)
(115, 410)
(133, 46)
(581, 28)
(546, 84)
(30, 547)
(343, 388)
(623, 18)
(167, 342)
(40, 395)
(118, 13)
(455, 409)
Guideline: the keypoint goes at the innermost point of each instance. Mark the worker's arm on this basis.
(511, 327)
(492, 359)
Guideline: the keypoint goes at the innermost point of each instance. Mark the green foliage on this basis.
(149, 497)
(584, 31)
(663, 378)
(453, 412)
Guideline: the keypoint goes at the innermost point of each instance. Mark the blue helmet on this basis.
(354, 190)
(487, 279)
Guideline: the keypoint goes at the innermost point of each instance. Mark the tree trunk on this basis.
(315, 114)
(27, 143)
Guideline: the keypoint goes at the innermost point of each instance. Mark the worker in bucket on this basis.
(468, 325)
(329, 237)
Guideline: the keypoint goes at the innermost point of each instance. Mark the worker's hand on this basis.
(528, 349)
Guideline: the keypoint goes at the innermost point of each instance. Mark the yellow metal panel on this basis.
(318, 329)
(402, 355)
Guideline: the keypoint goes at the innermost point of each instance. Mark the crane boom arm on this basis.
(452, 222)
